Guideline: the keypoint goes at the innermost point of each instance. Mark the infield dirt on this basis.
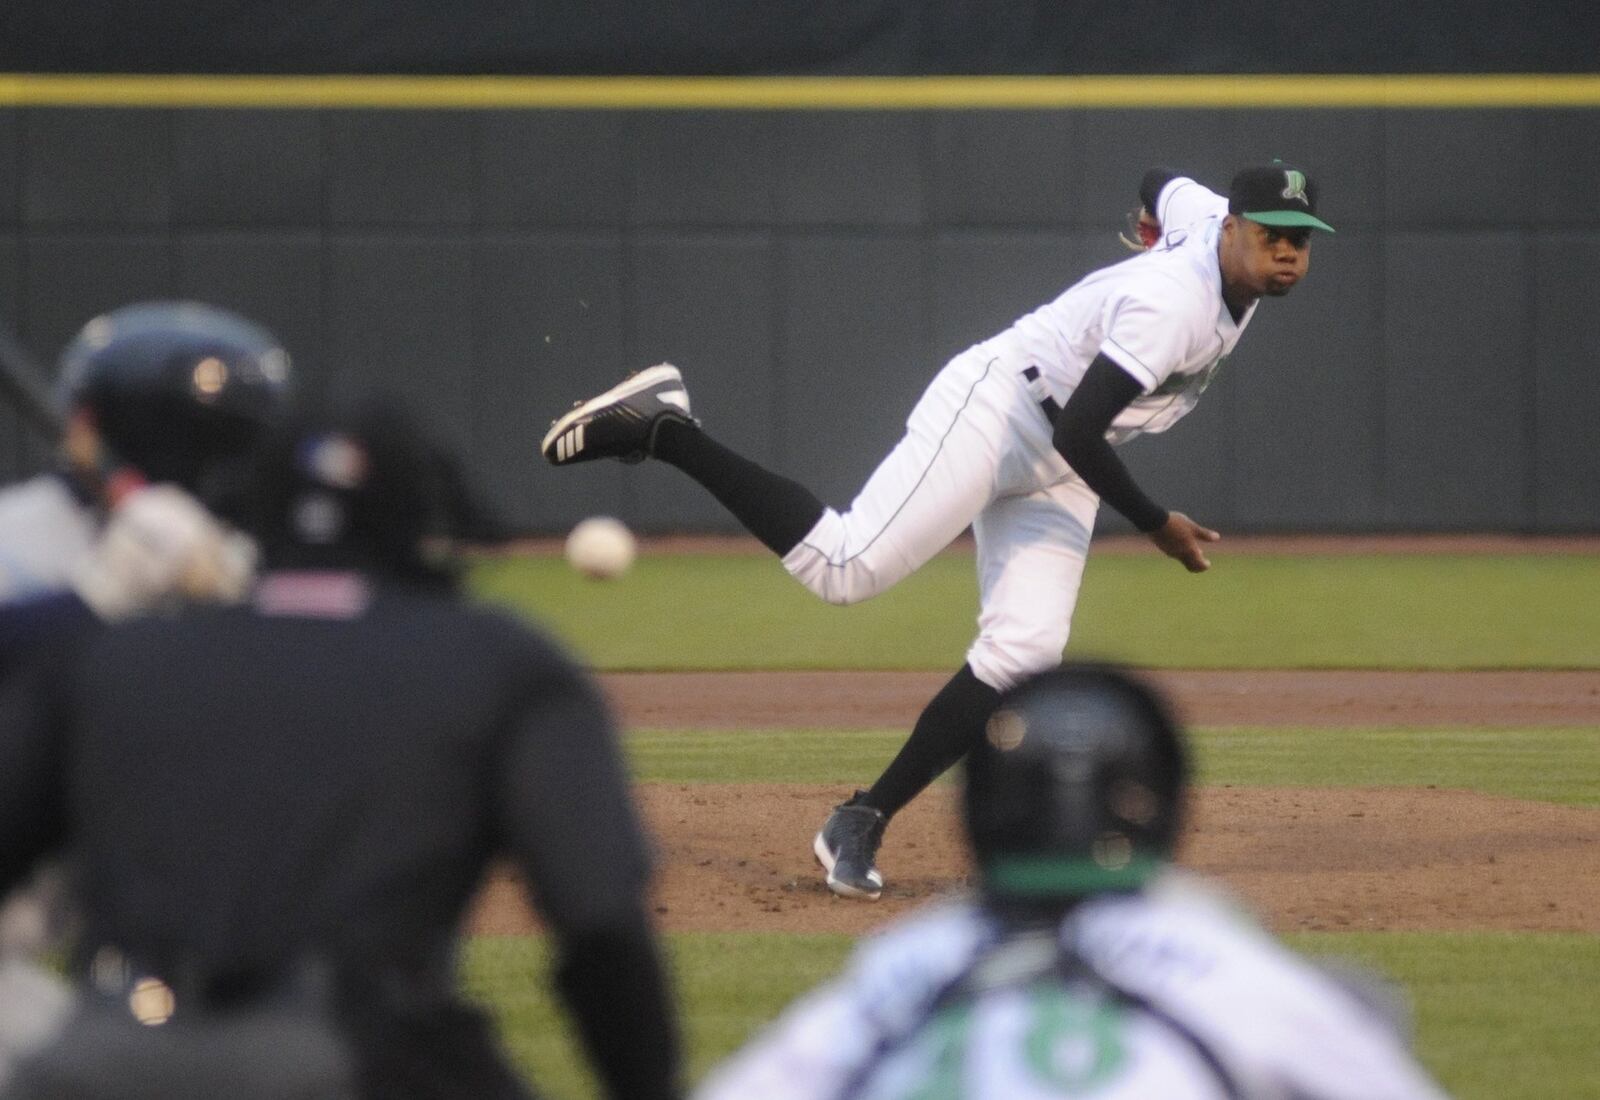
(737, 857)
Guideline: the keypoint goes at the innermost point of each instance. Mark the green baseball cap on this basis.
(1276, 194)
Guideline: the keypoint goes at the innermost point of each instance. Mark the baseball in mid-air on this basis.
(601, 547)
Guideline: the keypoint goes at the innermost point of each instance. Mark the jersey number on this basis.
(1072, 1045)
(1075, 1043)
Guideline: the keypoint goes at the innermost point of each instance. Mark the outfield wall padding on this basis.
(810, 269)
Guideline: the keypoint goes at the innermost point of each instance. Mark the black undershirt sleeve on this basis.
(1080, 436)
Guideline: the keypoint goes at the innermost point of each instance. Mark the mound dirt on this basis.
(737, 857)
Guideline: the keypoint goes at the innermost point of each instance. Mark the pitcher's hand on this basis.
(1180, 537)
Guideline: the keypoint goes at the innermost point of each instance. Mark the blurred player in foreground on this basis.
(282, 809)
(161, 401)
(1014, 438)
(163, 396)
(1086, 967)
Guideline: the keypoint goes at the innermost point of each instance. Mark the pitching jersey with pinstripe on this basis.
(1159, 315)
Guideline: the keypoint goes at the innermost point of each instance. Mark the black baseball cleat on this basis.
(847, 846)
(620, 423)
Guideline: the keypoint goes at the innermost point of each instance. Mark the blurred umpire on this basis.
(1085, 967)
(282, 809)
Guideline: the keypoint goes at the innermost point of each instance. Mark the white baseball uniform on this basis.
(1207, 1005)
(978, 451)
(44, 533)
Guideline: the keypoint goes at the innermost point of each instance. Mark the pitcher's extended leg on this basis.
(921, 496)
(773, 508)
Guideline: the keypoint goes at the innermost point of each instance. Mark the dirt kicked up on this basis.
(737, 857)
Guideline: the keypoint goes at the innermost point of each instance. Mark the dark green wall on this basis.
(810, 270)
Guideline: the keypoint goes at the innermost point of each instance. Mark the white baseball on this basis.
(601, 547)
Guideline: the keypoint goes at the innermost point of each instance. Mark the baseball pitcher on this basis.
(1014, 437)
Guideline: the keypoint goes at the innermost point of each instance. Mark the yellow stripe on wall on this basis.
(802, 93)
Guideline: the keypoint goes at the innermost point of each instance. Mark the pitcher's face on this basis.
(1263, 260)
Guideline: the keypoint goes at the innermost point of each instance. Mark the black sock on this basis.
(774, 509)
(949, 726)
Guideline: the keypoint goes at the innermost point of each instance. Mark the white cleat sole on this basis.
(843, 889)
(662, 372)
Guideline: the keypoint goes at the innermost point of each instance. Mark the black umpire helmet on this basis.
(354, 483)
(175, 388)
(1077, 788)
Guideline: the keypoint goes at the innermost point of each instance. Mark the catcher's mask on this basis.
(1077, 787)
(352, 484)
(175, 389)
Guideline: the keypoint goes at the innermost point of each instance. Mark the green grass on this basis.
(760, 756)
(1498, 1016)
(1551, 765)
(1380, 611)
(726, 984)
(1546, 765)
(1250, 611)
(738, 611)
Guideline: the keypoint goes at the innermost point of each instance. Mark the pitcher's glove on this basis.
(1143, 231)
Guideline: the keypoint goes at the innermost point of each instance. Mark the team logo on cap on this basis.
(1295, 186)
(335, 460)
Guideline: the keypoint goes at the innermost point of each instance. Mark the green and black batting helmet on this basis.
(1078, 786)
(175, 387)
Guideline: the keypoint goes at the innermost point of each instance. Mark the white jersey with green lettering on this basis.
(1167, 993)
